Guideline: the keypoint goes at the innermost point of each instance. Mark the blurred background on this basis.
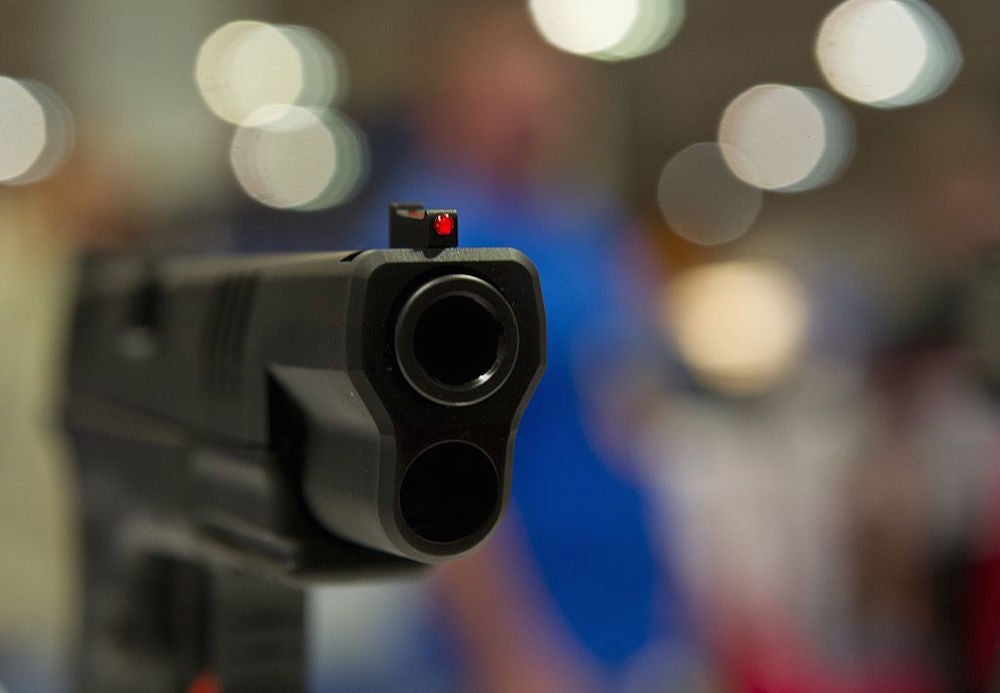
(766, 454)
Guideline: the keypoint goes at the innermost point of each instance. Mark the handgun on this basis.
(246, 426)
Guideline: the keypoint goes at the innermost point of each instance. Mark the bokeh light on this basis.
(887, 53)
(292, 157)
(36, 131)
(786, 138)
(740, 326)
(584, 27)
(246, 65)
(700, 198)
(655, 25)
(323, 66)
(608, 29)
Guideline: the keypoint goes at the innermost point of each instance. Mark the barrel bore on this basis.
(449, 492)
(456, 340)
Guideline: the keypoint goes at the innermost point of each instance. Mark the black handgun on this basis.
(246, 424)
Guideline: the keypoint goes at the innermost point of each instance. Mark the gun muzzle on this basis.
(456, 340)
(374, 396)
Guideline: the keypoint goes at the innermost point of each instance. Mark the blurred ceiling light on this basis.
(887, 53)
(740, 326)
(702, 200)
(655, 25)
(291, 157)
(323, 65)
(785, 138)
(583, 27)
(608, 29)
(246, 65)
(36, 131)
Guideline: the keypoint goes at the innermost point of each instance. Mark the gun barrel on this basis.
(456, 340)
(325, 412)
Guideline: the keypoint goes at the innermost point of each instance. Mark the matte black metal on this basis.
(252, 415)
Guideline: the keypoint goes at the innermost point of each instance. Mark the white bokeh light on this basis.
(246, 65)
(323, 66)
(655, 25)
(291, 157)
(36, 131)
(584, 26)
(887, 53)
(740, 326)
(700, 198)
(784, 138)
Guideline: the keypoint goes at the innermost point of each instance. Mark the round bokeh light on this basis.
(246, 65)
(608, 29)
(887, 53)
(584, 27)
(740, 326)
(787, 139)
(291, 157)
(36, 131)
(700, 198)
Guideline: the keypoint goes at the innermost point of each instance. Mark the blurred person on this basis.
(42, 226)
(943, 432)
(37, 558)
(568, 595)
(753, 471)
(950, 207)
(838, 530)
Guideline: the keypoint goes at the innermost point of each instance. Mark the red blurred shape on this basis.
(443, 225)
